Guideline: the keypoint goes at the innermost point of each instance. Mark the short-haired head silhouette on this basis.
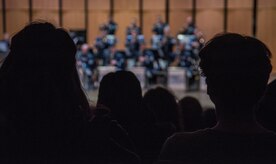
(122, 94)
(237, 70)
(191, 111)
(162, 103)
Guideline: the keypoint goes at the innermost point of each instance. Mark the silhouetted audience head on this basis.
(38, 79)
(191, 111)
(209, 118)
(122, 94)
(163, 109)
(237, 69)
(163, 106)
(42, 104)
(266, 112)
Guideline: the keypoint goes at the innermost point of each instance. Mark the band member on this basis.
(118, 59)
(86, 63)
(188, 60)
(159, 26)
(133, 26)
(149, 62)
(103, 43)
(111, 26)
(167, 45)
(189, 27)
(134, 45)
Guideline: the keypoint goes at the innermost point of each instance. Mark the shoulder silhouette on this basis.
(191, 112)
(237, 69)
(266, 112)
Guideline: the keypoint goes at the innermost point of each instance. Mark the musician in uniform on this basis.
(118, 59)
(133, 26)
(167, 45)
(188, 59)
(159, 26)
(189, 27)
(134, 45)
(111, 26)
(87, 64)
(103, 43)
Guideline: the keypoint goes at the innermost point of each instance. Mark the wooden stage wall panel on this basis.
(124, 12)
(46, 10)
(209, 17)
(16, 15)
(240, 16)
(17, 4)
(180, 4)
(73, 14)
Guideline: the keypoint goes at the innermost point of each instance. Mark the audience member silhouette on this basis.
(237, 69)
(121, 93)
(266, 112)
(209, 118)
(162, 105)
(191, 112)
(44, 112)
